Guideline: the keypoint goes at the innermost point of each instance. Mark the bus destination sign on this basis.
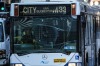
(40, 10)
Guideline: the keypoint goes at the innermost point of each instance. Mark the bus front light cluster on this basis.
(16, 9)
(72, 64)
(75, 64)
(18, 65)
(2, 54)
(73, 9)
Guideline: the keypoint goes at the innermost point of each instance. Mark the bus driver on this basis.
(28, 37)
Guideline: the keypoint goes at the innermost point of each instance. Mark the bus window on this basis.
(46, 33)
(1, 33)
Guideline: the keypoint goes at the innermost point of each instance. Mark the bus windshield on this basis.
(1, 33)
(45, 34)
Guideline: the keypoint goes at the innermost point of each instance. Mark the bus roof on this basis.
(30, 1)
(80, 6)
(12, 12)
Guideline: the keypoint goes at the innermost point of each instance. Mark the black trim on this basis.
(78, 47)
(42, 10)
(99, 57)
(12, 35)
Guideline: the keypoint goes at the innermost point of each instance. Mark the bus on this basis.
(97, 19)
(51, 33)
(91, 36)
(91, 43)
(4, 42)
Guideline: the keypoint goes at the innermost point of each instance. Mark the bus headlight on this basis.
(75, 64)
(72, 64)
(18, 65)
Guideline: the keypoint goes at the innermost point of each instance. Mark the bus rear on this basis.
(4, 43)
(45, 34)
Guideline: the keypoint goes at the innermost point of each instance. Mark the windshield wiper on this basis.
(42, 51)
(23, 53)
(48, 51)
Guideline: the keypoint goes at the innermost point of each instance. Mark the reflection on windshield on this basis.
(45, 33)
(1, 32)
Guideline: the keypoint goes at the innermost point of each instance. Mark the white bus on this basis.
(98, 37)
(92, 37)
(4, 42)
(48, 33)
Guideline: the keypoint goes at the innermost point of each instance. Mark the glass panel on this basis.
(1, 33)
(45, 34)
